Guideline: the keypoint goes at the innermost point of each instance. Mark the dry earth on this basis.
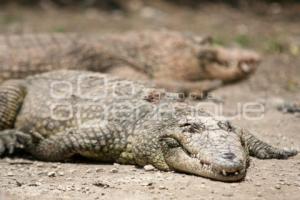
(276, 36)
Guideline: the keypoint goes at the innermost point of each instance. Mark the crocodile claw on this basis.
(8, 142)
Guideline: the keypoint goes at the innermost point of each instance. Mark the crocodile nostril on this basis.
(229, 156)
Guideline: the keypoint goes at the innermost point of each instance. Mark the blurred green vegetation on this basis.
(59, 29)
(9, 19)
(292, 85)
(243, 40)
(219, 41)
(274, 46)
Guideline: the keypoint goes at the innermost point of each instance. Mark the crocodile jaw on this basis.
(178, 160)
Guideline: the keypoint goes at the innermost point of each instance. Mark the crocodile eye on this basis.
(170, 142)
(193, 127)
(225, 125)
(184, 125)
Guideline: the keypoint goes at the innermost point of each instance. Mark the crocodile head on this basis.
(228, 65)
(206, 147)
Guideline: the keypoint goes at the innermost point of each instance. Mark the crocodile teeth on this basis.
(224, 172)
(236, 173)
(245, 67)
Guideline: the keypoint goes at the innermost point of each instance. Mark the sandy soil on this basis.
(277, 79)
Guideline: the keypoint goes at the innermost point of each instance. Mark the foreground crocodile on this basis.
(58, 114)
(175, 61)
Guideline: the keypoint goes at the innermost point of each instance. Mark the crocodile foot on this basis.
(11, 139)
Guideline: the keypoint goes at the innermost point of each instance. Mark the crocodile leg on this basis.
(12, 94)
(262, 150)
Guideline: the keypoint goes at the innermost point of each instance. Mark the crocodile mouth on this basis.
(218, 172)
(220, 166)
(221, 172)
(180, 160)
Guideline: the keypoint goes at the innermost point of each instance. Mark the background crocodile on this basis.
(175, 61)
(112, 120)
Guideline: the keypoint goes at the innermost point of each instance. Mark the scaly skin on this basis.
(63, 113)
(172, 60)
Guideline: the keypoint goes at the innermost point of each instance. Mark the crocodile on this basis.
(59, 114)
(176, 61)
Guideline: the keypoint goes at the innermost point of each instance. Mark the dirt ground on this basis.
(274, 33)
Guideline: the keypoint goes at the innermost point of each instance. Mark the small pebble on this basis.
(42, 173)
(100, 184)
(100, 170)
(162, 188)
(61, 173)
(147, 184)
(259, 194)
(70, 189)
(114, 170)
(51, 174)
(61, 188)
(40, 165)
(10, 174)
(151, 187)
(19, 184)
(257, 184)
(278, 187)
(35, 184)
(54, 166)
(227, 194)
(148, 168)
